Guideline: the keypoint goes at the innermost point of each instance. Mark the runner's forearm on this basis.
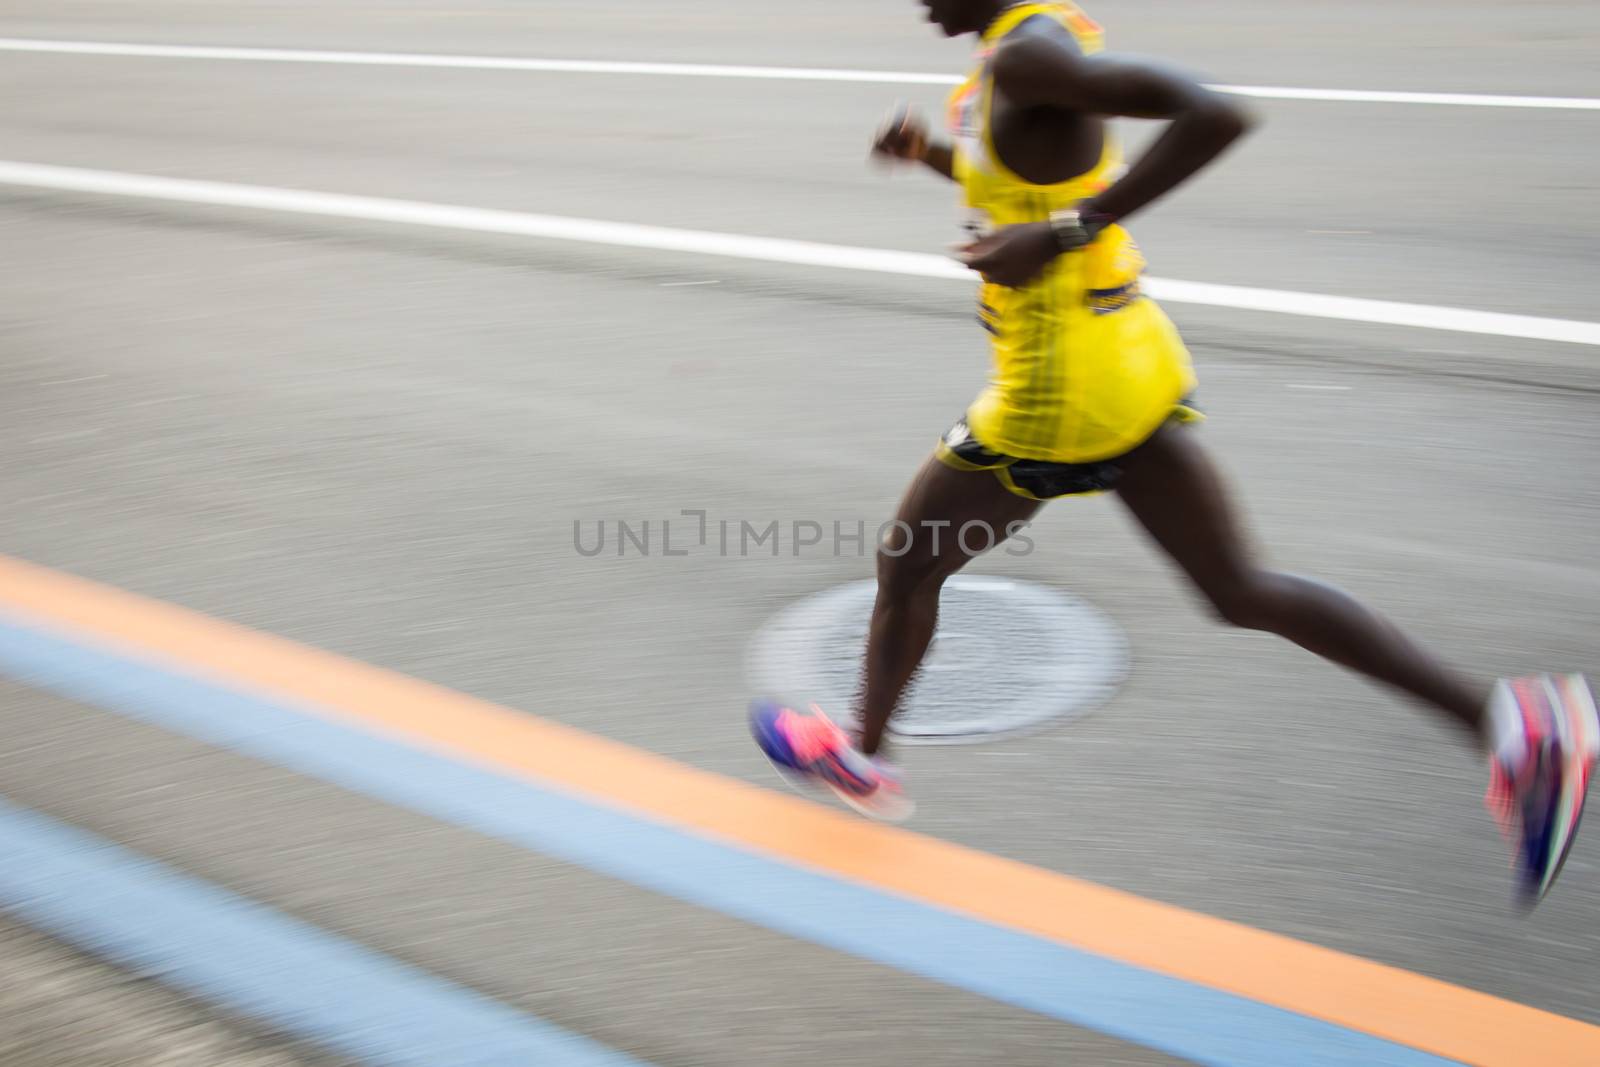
(940, 158)
(1196, 137)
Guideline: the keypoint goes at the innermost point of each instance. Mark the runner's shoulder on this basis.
(1037, 47)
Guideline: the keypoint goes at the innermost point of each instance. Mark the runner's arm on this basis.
(1039, 71)
(940, 158)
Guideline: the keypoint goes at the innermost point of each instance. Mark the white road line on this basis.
(713, 70)
(765, 249)
(456, 62)
(1385, 96)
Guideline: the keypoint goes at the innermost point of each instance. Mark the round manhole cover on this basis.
(1007, 656)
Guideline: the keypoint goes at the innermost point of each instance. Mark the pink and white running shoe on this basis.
(809, 749)
(1539, 801)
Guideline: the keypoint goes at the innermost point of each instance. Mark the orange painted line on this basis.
(1355, 993)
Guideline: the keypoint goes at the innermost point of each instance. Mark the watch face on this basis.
(1068, 229)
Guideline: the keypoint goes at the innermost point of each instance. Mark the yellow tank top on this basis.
(1085, 366)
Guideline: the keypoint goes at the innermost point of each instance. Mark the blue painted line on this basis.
(258, 962)
(1186, 1020)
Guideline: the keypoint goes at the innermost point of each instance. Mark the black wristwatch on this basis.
(1076, 228)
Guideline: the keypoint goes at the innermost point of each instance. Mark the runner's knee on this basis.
(1244, 599)
(907, 565)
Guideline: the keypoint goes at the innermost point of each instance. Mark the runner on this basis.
(1091, 393)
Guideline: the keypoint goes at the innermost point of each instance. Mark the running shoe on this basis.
(1539, 801)
(809, 749)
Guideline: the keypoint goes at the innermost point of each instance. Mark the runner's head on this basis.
(956, 17)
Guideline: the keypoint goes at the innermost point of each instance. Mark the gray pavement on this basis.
(376, 441)
(63, 1009)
